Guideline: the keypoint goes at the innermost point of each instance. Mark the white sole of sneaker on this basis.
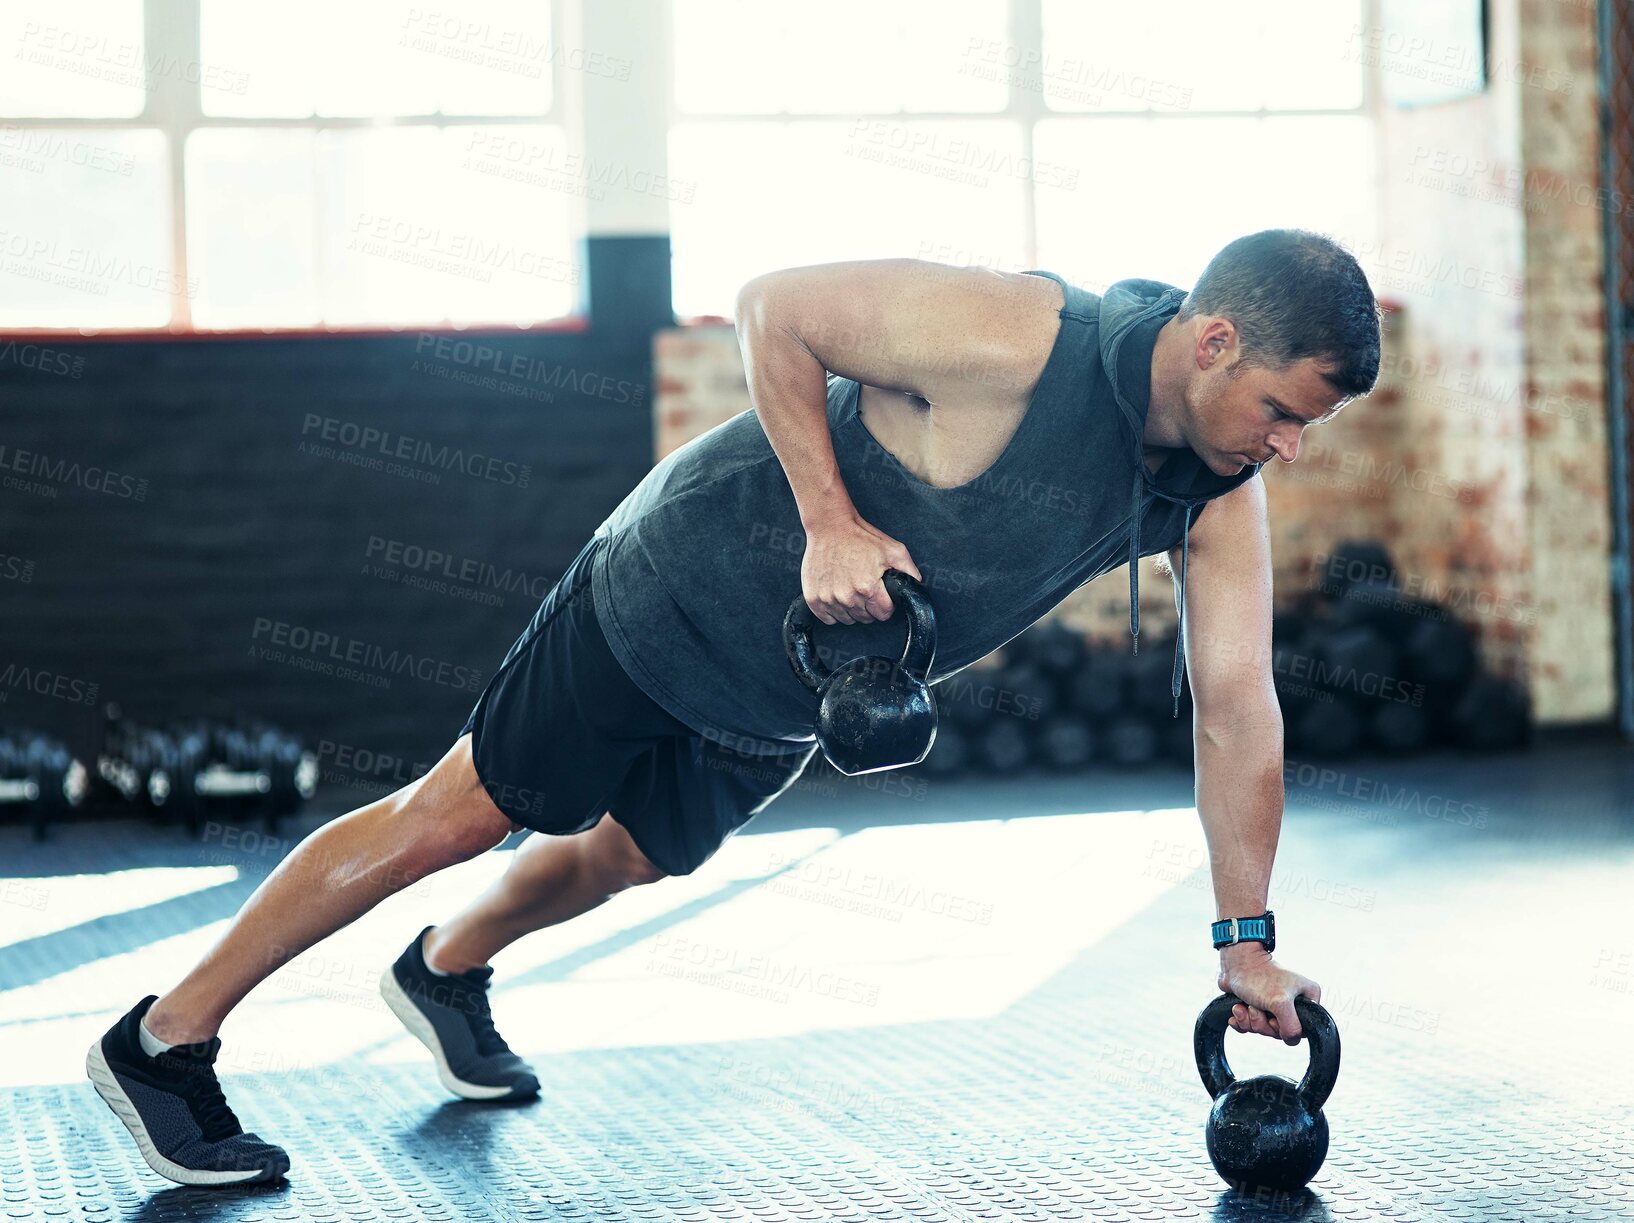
(107, 1086)
(420, 1028)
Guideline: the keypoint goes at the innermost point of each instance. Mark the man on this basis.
(1003, 438)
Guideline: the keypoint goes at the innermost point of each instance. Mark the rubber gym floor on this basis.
(945, 1001)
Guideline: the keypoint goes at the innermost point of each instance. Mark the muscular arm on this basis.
(1237, 723)
(971, 336)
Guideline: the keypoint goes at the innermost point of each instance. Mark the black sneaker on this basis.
(449, 1015)
(172, 1105)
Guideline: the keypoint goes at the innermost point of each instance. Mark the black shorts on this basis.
(562, 734)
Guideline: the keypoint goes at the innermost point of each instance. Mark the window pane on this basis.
(84, 240)
(1199, 57)
(73, 58)
(1202, 183)
(420, 225)
(771, 194)
(386, 57)
(251, 227)
(770, 56)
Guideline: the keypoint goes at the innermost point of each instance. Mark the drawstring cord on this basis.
(1137, 504)
(1134, 558)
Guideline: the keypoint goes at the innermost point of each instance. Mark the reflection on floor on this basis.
(910, 999)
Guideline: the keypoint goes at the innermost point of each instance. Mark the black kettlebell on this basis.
(873, 713)
(1266, 1132)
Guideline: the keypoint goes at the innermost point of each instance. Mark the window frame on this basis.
(174, 108)
(1027, 108)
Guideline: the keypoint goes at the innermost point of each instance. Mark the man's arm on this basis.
(956, 337)
(1237, 725)
(946, 334)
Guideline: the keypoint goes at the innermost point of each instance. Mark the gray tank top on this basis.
(698, 565)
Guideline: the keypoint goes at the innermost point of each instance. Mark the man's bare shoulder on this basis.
(1235, 523)
(944, 333)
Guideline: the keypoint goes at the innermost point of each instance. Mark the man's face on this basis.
(1258, 414)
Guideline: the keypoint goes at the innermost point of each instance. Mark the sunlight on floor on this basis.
(781, 933)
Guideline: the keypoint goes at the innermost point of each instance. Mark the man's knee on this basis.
(619, 859)
(452, 807)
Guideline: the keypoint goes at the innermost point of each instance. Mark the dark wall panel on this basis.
(341, 534)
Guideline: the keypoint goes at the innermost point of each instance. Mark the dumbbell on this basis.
(1129, 740)
(140, 764)
(1002, 746)
(254, 760)
(1096, 691)
(1053, 648)
(179, 769)
(1065, 741)
(39, 775)
(949, 754)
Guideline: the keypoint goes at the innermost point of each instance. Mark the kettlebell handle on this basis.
(1208, 1042)
(917, 651)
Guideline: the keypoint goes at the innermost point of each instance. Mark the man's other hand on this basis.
(1269, 991)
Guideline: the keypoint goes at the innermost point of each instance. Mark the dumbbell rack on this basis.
(175, 773)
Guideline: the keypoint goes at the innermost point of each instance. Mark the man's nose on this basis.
(1286, 443)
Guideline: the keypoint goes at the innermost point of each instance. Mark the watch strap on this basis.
(1232, 930)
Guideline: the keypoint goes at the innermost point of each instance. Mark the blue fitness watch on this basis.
(1261, 929)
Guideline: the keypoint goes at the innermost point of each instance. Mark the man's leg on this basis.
(155, 1067)
(549, 880)
(333, 877)
(439, 986)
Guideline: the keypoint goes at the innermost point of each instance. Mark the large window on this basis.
(212, 164)
(1093, 139)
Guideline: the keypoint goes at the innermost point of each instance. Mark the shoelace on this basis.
(202, 1091)
(481, 1020)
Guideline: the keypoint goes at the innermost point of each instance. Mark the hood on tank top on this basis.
(1132, 312)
